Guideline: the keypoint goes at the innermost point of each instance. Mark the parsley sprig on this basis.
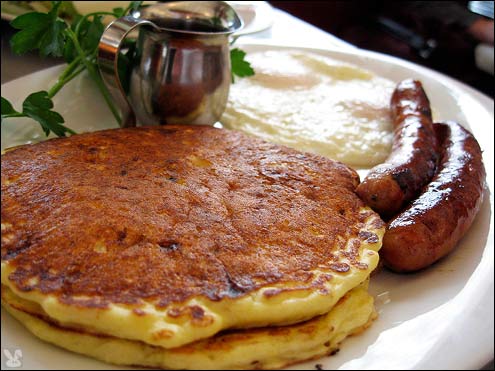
(77, 43)
(240, 67)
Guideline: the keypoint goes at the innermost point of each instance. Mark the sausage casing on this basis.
(388, 187)
(434, 223)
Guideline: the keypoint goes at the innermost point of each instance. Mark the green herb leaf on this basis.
(43, 31)
(89, 36)
(90, 39)
(239, 66)
(33, 27)
(7, 108)
(70, 52)
(119, 12)
(38, 106)
(52, 42)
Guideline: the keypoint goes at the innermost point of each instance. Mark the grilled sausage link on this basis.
(388, 187)
(434, 223)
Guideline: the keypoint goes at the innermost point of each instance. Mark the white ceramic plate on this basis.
(440, 318)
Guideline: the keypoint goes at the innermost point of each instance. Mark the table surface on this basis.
(286, 30)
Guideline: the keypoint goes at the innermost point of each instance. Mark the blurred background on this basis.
(452, 37)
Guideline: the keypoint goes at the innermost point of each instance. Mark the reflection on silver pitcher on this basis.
(181, 70)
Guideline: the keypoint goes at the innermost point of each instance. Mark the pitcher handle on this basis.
(108, 52)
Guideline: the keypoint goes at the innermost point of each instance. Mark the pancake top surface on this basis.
(167, 214)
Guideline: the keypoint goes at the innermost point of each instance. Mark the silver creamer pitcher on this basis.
(181, 70)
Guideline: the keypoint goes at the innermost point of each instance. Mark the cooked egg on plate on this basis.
(314, 103)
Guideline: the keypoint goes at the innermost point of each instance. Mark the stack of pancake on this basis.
(185, 247)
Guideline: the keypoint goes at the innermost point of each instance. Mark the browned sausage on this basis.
(433, 224)
(388, 187)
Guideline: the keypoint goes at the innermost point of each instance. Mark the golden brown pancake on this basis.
(169, 228)
(260, 348)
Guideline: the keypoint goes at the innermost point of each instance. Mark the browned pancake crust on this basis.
(168, 213)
